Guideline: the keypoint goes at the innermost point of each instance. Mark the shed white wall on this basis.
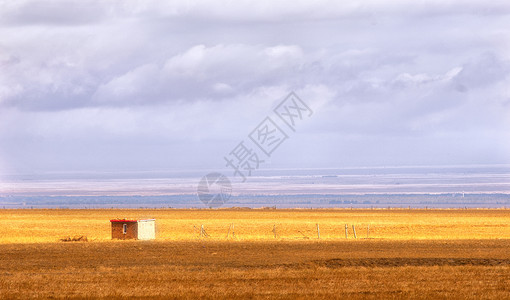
(146, 229)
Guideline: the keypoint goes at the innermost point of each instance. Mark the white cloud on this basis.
(191, 72)
(201, 73)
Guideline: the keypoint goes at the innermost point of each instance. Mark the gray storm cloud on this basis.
(151, 85)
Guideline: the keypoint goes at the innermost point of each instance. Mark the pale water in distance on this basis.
(416, 186)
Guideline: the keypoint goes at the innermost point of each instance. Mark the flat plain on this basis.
(272, 254)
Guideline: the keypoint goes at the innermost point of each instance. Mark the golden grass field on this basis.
(425, 254)
(40, 225)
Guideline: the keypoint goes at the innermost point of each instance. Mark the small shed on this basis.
(125, 229)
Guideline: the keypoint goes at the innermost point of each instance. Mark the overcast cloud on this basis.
(147, 85)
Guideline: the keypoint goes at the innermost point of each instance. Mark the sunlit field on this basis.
(35, 226)
(265, 254)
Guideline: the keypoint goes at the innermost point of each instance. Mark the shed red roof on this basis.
(122, 220)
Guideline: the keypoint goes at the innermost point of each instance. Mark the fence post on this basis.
(318, 232)
(354, 229)
(231, 228)
(368, 230)
(346, 231)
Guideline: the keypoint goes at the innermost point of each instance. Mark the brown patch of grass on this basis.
(419, 254)
(362, 269)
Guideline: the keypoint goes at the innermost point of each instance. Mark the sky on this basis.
(135, 86)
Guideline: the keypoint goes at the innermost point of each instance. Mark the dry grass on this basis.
(213, 269)
(424, 254)
(32, 226)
